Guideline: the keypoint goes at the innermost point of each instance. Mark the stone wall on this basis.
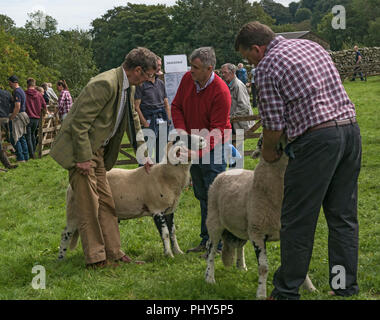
(345, 60)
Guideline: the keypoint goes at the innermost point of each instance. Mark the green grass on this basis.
(32, 216)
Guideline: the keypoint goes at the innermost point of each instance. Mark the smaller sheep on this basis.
(137, 194)
(246, 206)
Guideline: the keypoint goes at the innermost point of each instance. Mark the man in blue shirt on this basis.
(152, 106)
(18, 121)
(5, 104)
(357, 68)
(241, 73)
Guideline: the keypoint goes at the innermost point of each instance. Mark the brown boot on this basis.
(5, 161)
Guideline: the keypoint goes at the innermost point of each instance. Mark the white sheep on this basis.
(246, 206)
(137, 194)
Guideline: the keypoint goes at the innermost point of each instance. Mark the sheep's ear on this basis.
(256, 154)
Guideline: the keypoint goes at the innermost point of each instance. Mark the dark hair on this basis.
(63, 84)
(140, 57)
(30, 82)
(254, 33)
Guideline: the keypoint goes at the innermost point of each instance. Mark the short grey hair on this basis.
(231, 67)
(206, 55)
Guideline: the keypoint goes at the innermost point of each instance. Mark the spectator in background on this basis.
(64, 101)
(18, 121)
(241, 73)
(240, 104)
(49, 92)
(357, 67)
(34, 104)
(253, 87)
(44, 94)
(5, 105)
(152, 106)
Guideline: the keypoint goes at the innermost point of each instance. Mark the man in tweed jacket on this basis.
(88, 144)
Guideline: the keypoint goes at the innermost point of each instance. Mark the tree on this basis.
(303, 14)
(16, 60)
(277, 11)
(293, 7)
(6, 23)
(123, 28)
(213, 23)
(373, 33)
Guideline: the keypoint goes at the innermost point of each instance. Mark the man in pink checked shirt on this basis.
(301, 94)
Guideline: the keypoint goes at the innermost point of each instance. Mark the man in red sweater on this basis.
(34, 103)
(203, 102)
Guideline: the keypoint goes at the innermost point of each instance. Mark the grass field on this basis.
(32, 216)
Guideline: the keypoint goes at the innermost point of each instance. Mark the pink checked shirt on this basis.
(299, 87)
(64, 102)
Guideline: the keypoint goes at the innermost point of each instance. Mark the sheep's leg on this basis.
(173, 238)
(215, 234)
(228, 251)
(162, 227)
(211, 253)
(308, 285)
(66, 236)
(260, 250)
(240, 259)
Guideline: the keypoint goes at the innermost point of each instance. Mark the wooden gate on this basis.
(48, 128)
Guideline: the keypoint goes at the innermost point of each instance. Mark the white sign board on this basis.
(175, 63)
(172, 81)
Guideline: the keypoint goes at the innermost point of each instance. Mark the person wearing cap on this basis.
(18, 121)
(5, 105)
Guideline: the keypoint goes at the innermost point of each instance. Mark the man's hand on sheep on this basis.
(270, 151)
(148, 163)
(84, 167)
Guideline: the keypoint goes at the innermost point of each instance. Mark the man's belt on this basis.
(332, 123)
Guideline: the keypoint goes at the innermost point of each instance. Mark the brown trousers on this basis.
(95, 209)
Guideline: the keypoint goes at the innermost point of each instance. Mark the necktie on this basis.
(131, 123)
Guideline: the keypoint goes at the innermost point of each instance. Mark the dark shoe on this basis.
(126, 259)
(200, 248)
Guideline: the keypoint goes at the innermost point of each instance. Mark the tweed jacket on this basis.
(92, 119)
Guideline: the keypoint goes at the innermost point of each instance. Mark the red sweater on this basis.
(209, 109)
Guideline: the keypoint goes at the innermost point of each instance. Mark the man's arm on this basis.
(271, 139)
(143, 121)
(16, 110)
(167, 108)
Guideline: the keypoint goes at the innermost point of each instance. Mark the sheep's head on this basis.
(176, 149)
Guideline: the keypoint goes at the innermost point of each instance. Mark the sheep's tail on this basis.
(74, 240)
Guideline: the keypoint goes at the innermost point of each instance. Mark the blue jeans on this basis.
(22, 152)
(203, 176)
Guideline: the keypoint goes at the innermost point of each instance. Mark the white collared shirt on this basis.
(123, 101)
